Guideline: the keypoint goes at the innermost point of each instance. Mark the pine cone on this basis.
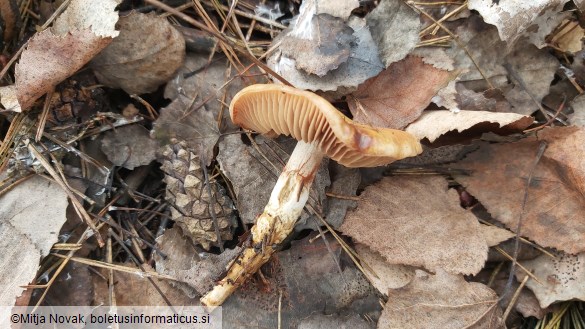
(190, 199)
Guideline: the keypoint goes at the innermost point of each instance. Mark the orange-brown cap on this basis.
(275, 109)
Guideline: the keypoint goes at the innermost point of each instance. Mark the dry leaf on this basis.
(145, 55)
(327, 46)
(129, 146)
(337, 8)
(10, 18)
(514, 19)
(495, 235)
(253, 176)
(577, 118)
(433, 124)
(344, 183)
(134, 290)
(195, 272)
(73, 286)
(198, 101)
(82, 31)
(519, 72)
(417, 221)
(535, 68)
(551, 216)
(31, 216)
(527, 304)
(394, 26)
(309, 281)
(398, 95)
(386, 276)
(569, 37)
(363, 63)
(321, 321)
(561, 278)
(442, 301)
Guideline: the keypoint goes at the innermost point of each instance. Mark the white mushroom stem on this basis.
(280, 215)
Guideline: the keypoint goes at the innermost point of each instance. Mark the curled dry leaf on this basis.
(362, 63)
(417, 221)
(397, 96)
(129, 146)
(31, 215)
(385, 276)
(82, 31)
(327, 47)
(394, 26)
(442, 301)
(514, 19)
(551, 216)
(146, 54)
(561, 278)
(433, 124)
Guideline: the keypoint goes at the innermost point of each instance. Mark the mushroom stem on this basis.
(280, 215)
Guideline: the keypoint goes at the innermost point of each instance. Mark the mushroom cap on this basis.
(276, 109)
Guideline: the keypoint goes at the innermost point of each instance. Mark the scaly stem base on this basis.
(284, 208)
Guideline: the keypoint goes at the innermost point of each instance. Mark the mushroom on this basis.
(321, 130)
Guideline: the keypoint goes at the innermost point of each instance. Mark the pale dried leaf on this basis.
(551, 216)
(327, 47)
(337, 8)
(495, 235)
(362, 64)
(398, 95)
(31, 216)
(417, 221)
(442, 301)
(145, 55)
(394, 26)
(433, 124)
(52, 55)
(447, 97)
(389, 276)
(97, 16)
(129, 146)
(569, 37)
(561, 278)
(535, 19)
